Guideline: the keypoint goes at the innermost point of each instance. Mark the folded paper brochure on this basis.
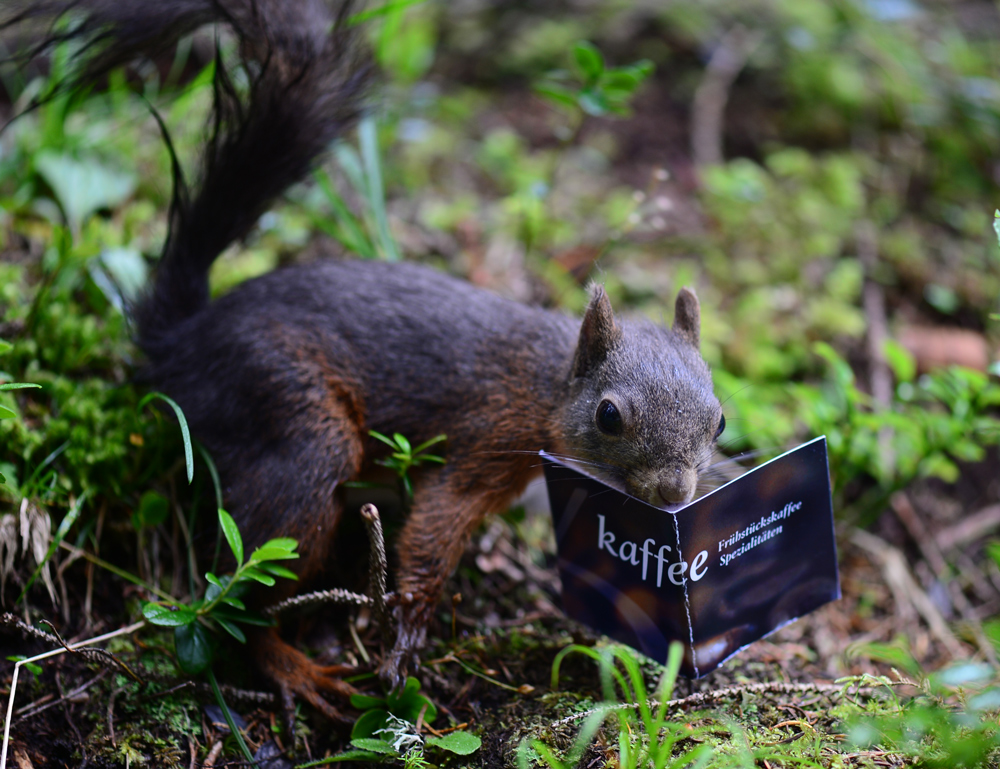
(717, 575)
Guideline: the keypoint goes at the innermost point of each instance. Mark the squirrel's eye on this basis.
(608, 418)
(722, 426)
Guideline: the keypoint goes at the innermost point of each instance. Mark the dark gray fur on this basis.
(283, 378)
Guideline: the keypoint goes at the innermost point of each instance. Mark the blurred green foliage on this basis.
(880, 114)
(945, 719)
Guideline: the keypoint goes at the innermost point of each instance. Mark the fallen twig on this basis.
(905, 589)
(970, 528)
(100, 656)
(906, 513)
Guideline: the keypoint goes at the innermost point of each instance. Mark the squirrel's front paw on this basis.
(403, 656)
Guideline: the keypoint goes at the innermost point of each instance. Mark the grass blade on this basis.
(185, 432)
(244, 748)
(368, 135)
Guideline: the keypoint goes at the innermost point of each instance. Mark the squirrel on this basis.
(283, 378)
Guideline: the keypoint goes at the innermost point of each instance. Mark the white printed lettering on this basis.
(631, 556)
(605, 538)
(697, 563)
(676, 572)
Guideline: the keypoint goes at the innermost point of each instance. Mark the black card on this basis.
(717, 575)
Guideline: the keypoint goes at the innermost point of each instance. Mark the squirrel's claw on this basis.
(311, 689)
(394, 668)
(297, 676)
(403, 656)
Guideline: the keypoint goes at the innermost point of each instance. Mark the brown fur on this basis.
(283, 378)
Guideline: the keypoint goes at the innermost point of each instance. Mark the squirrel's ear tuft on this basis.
(598, 333)
(687, 317)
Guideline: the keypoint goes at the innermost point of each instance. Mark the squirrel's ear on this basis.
(687, 317)
(598, 333)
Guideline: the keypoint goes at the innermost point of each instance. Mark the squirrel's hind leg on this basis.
(309, 428)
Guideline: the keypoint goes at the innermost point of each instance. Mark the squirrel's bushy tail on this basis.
(304, 84)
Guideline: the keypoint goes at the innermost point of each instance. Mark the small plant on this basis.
(646, 737)
(387, 729)
(368, 234)
(221, 605)
(404, 456)
(592, 87)
(951, 722)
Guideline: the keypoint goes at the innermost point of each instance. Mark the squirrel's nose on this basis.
(677, 487)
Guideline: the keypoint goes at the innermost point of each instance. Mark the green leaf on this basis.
(232, 534)
(367, 702)
(375, 746)
(408, 703)
(277, 570)
(989, 699)
(128, 275)
(284, 543)
(892, 654)
(640, 69)
(20, 386)
(230, 628)
(403, 444)
(588, 59)
(215, 580)
(902, 363)
(593, 103)
(265, 553)
(257, 576)
(3, 480)
(427, 444)
(557, 94)
(213, 592)
(462, 743)
(624, 80)
(181, 421)
(31, 667)
(236, 603)
(384, 438)
(963, 674)
(5, 347)
(82, 186)
(168, 616)
(369, 723)
(6, 413)
(194, 648)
